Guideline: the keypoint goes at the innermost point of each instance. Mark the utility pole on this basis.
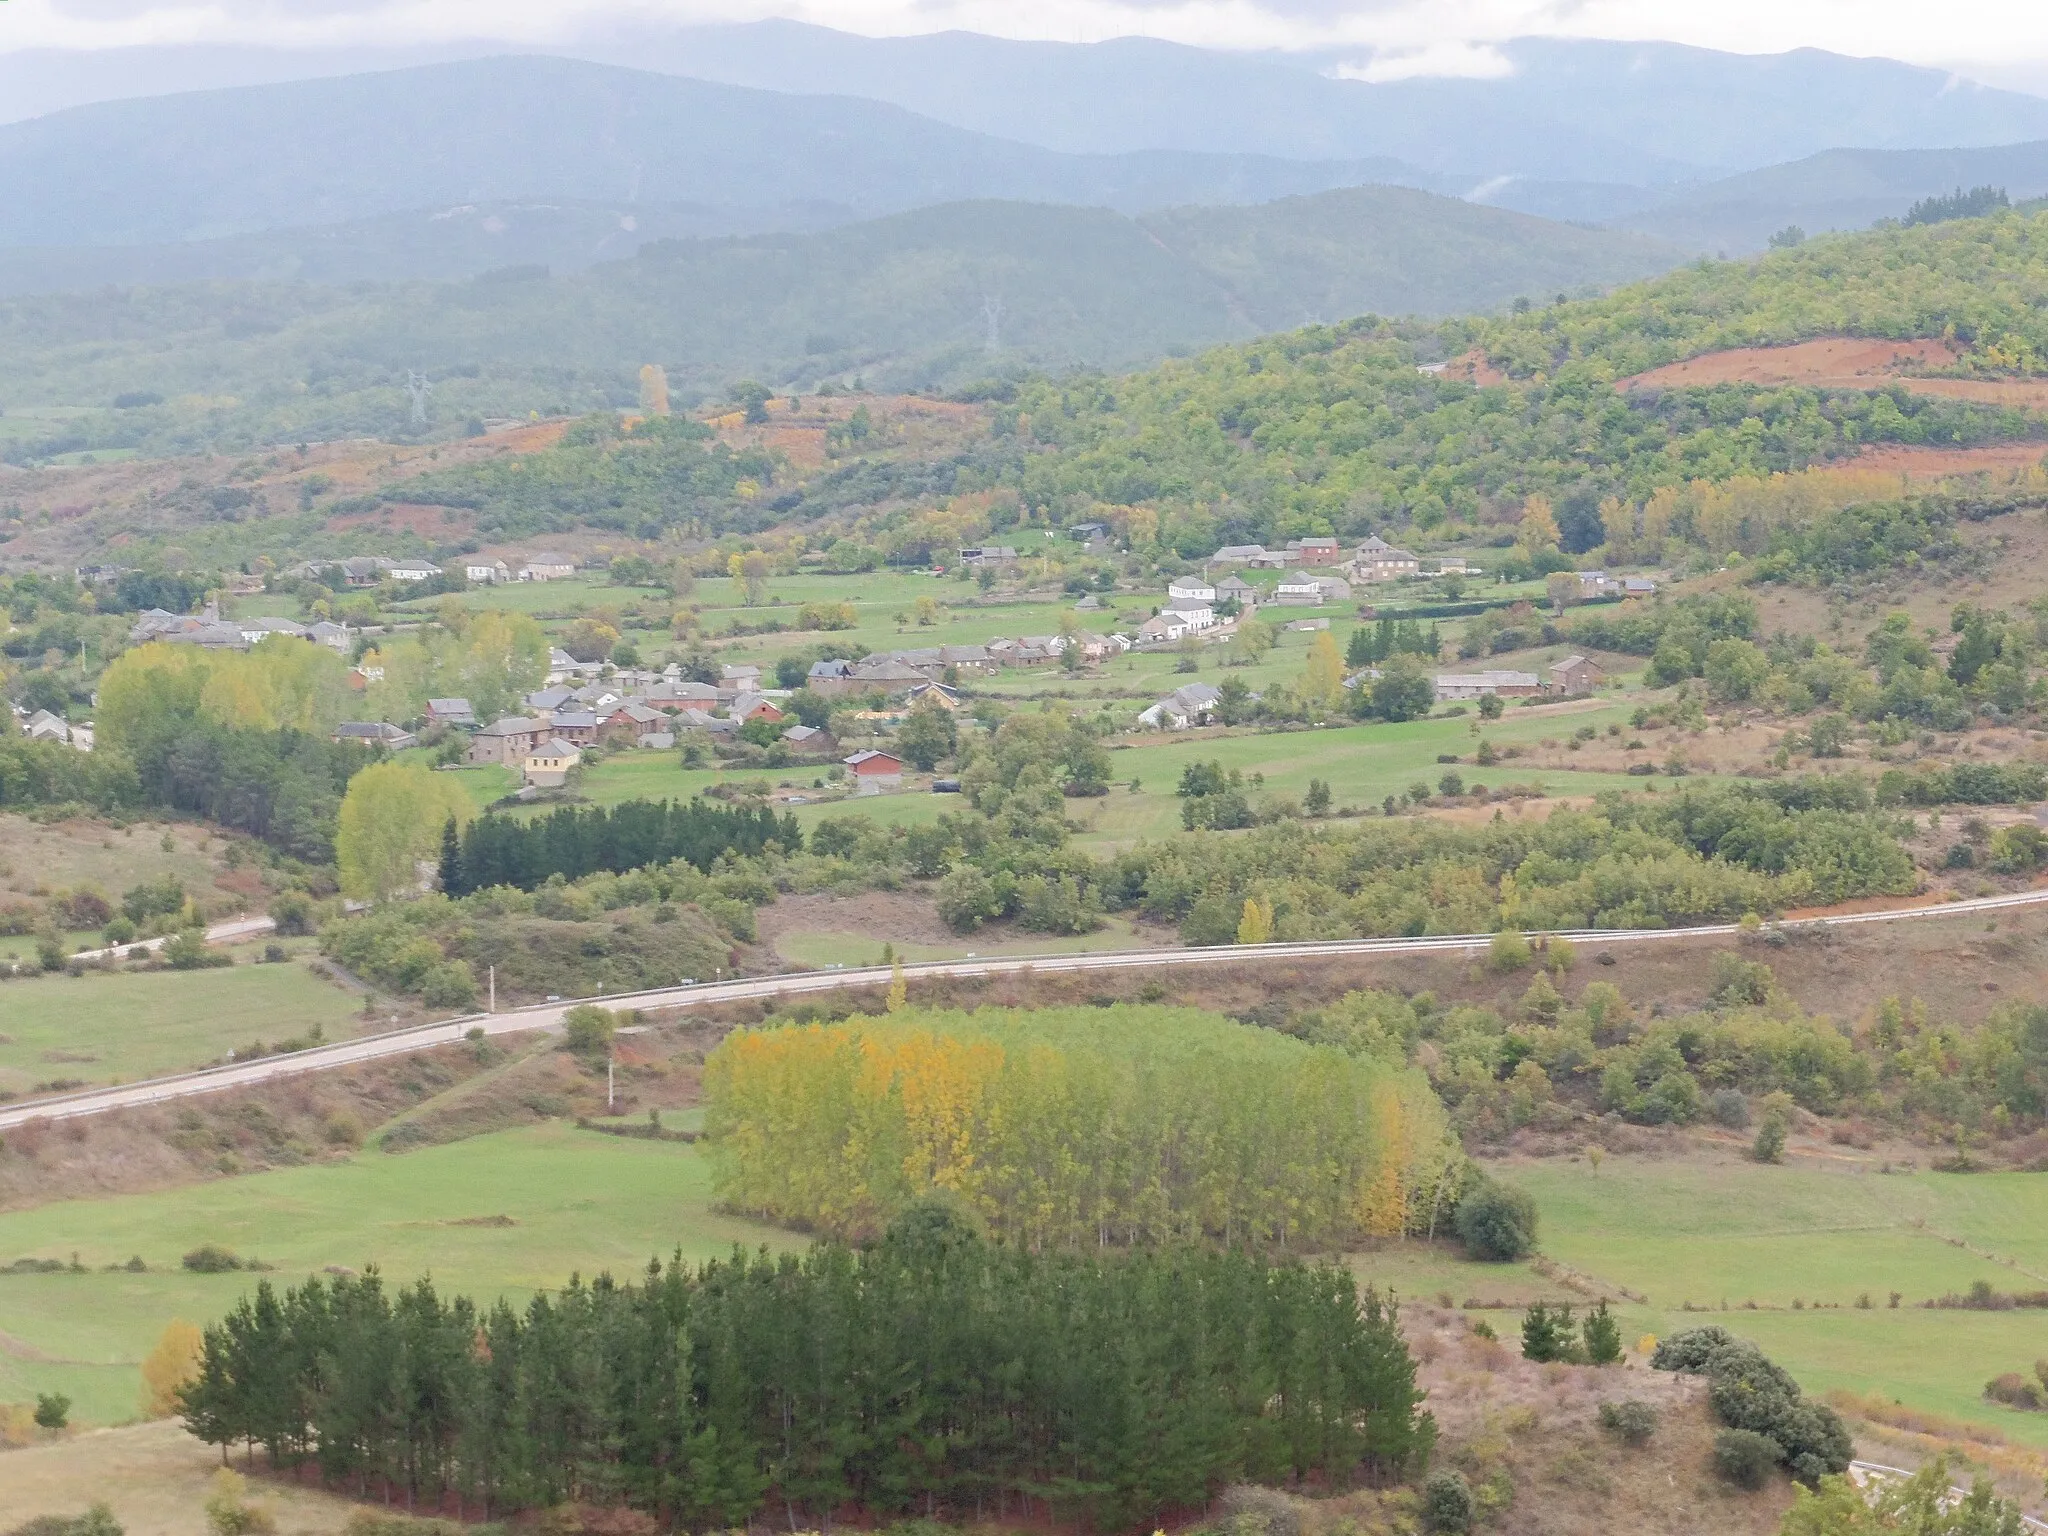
(494, 990)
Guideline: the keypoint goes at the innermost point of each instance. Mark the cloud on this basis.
(1450, 60)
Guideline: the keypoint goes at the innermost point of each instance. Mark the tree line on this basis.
(1076, 1128)
(571, 842)
(933, 1373)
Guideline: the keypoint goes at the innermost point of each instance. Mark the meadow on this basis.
(104, 1027)
(523, 1210)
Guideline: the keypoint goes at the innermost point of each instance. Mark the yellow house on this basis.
(548, 764)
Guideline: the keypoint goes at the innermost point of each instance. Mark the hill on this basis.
(1838, 189)
(218, 163)
(905, 299)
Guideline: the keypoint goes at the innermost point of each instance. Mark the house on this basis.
(412, 570)
(875, 771)
(450, 712)
(1162, 629)
(1237, 587)
(966, 659)
(935, 694)
(550, 699)
(680, 694)
(336, 637)
(374, 733)
(1196, 616)
(487, 573)
(1575, 674)
(1190, 589)
(813, 739)
(990, 555)
(885, 676)
(1317, 549)
(1637, 586)
(153, 622)
(1088, 533)
(1455, 565)
(44, 726)
(562, 666)
(1474, 685)
(1303, 590)
(632, 724)
(1598, 584)
(575, 726)
(754, 706)
(745, 677)
(256, 631)
(1377, 560)
(547, 765)
(1238, 554)
(548, 567)
(211, 635)
(508, 742)
(694, 719)
(831, 678)
(1189, 704)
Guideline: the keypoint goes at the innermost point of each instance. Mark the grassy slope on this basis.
(1737, 1232)
(100, 1028)
(582, 1203)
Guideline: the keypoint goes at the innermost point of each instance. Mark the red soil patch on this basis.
(1936, 462)
(1473, 368)
(1841, 362)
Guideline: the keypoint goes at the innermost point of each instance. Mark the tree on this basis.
(752, 398)
(1256, 925)
(1769, 1146)
(653, 389)
(1497, 1222)
(1602, 1335)
(1490, 706)
(927, 735)
(1562, 588)
(1546, 1332)
(169, 1367)
(750, 572)
(1920, 1505)
(1736, 670)
(1317, 801)
(392, 819)
(53, 1410)
(1322, 678)
(1402, 691)
(587, 1030)
(1538, 529)
(588, 640)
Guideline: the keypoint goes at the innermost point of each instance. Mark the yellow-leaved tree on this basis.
(281, 684)
(1538, 530)
(169, 1366)
(391, 821)
(1322, 679)
(1256, 926)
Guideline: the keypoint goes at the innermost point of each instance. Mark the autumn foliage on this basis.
(1073, 1128)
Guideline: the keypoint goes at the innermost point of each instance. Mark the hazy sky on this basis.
(1991, 38)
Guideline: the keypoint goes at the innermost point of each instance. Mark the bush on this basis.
(97, 1521)
(1509, 951)
(1745, 1458)
(1729, 1107)
(1748, 1392)
(53, 1410)
(1497, 1222)
(1447, 1502)
(292, 911)
(587, 1029)
(1250, 1510)
(1629, 1421)
(450, 985)
(1769, 1146)
(211, 1259)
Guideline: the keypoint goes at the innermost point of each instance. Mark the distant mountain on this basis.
(1556, 110)
(233, 162)
(938, 296)
(1838, 189)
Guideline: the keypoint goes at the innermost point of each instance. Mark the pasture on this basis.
(102, 1027)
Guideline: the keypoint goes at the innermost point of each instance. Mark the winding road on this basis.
(548, 1016)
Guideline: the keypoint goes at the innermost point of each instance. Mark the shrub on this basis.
(1254, 1511)
(587, 1029)
(1629, 1421)
(1744, 1458)
(292, 911)
(53, 1410)
(449, 985)
(211, 1259)
(1497, 1222)
(1729, 1107)
(1769, 1146)
(1447, 1503)
(1509, 951)
(1748, 1392)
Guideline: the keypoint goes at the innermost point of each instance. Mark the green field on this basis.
(1738, 1233)
(101, 1027)
(582, 1203)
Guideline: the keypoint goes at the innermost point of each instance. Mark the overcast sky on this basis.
(1990, 39)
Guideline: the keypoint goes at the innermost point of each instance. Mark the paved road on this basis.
(549, 1015)
(219, 933)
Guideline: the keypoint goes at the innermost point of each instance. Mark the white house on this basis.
(1183, 590)
(1474, 685)
(487, 573)
(1189, 704)
(1303, 590)
(413, 570)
